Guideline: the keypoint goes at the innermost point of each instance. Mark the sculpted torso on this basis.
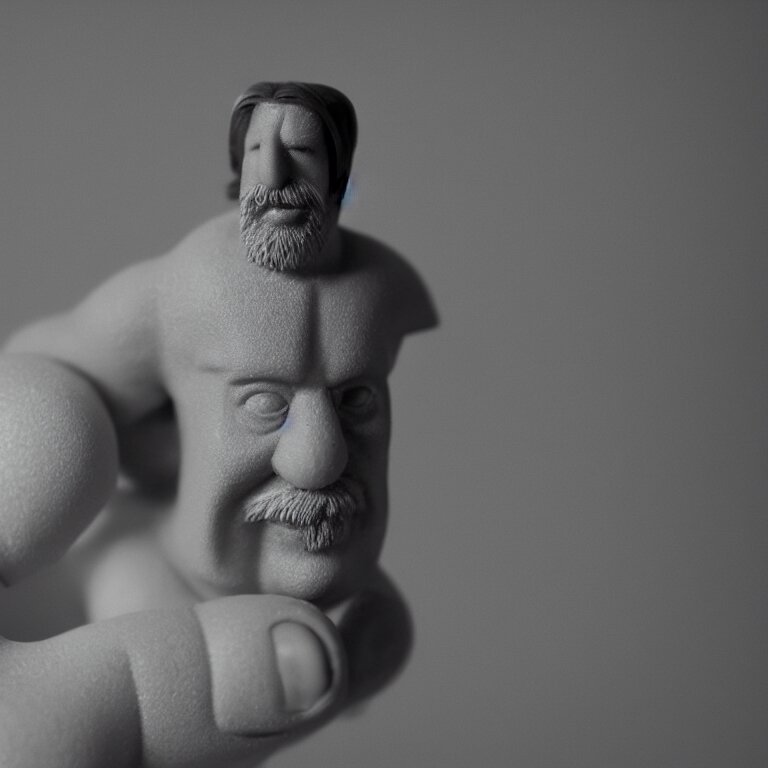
(217, 309)
(277, 379)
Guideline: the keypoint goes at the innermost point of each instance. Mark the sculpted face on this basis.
(284, 423)
(285, 211)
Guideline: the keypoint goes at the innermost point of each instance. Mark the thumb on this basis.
(222, 683)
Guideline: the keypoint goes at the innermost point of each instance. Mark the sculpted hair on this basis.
(336, 114)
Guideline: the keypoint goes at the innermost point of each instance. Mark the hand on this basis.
(223, 683)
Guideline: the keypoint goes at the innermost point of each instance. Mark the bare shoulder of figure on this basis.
(113, 335)
(110, 337)
(412, 307)
(211, 243)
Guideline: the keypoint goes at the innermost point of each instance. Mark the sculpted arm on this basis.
(111, 338)
(67, 384)
(412, 308)
(418, 311)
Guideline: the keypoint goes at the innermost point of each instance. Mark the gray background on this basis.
(579, 475)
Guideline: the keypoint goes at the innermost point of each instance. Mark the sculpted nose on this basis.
(274, 165)
(311, 452)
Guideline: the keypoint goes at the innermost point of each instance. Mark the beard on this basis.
(324, 517)
(283, 247)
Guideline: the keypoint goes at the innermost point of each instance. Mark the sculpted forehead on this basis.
(257, 329)
(298, 334)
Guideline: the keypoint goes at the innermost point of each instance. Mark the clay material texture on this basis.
(239, 385)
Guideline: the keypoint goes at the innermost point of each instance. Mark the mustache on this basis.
(324, 516)
(296, 194)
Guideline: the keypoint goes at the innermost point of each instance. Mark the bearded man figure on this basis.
(285, 224)
(244, 377)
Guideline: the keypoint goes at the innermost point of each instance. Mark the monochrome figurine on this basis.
(238, 385)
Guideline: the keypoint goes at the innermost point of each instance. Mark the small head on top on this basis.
(290, 147)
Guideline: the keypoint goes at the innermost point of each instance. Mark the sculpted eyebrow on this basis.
(238, 378)
(248, 380)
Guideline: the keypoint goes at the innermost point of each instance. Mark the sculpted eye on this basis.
(301, 149)
(269, 407)
(358, 402)
(254, 146)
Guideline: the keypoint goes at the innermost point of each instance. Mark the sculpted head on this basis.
(285, 426)
(291, 147)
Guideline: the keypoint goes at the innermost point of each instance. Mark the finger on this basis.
(376, 629)
(287, 652)
(224, 682)
(58, 461)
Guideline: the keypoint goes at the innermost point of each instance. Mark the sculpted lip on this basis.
(324, 517)
(284, 206)
(285, 214)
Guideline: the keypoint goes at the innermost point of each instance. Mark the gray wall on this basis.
(579, 469)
